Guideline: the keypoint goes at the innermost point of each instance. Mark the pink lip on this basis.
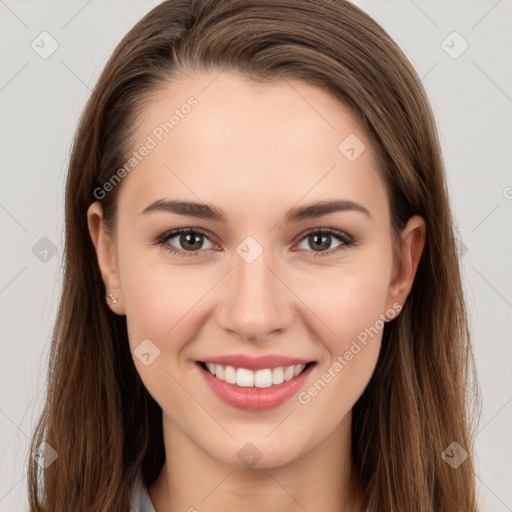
(254, 399)
(255, 363)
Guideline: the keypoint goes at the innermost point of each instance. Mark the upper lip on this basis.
(255, 363)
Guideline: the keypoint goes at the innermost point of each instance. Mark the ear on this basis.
(107, 258)
(412, 244)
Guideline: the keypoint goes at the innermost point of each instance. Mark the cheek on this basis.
(347, 302)
(345, 299)
(164, 302)
(351, 306)
(157, 300)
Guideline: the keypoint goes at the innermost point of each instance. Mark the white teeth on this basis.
(263, 378)
(230, 375)
(219, 371)
(298, 369)
(244, 378)
(277, 376)
(288, 373)
(260, 378)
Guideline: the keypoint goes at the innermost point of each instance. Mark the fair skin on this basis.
(254, 152)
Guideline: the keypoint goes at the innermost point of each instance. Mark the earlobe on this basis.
(106, 257)
(412, 245)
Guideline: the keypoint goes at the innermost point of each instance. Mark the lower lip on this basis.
(255, 399)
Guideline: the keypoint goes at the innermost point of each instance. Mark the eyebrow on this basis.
(210, 212)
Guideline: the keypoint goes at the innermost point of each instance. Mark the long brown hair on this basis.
(98, 416)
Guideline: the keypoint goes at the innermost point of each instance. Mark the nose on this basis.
(256, 303)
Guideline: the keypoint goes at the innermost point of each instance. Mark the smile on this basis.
(264, 378)
(255, 389)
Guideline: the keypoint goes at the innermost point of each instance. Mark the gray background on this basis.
(40, 102)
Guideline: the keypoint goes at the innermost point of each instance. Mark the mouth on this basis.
(263, 378)
(259, 389)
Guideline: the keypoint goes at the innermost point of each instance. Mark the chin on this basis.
(257, 453)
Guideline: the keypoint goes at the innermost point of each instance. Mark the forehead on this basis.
(223, 137)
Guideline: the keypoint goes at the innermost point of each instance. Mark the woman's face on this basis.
(261, 281)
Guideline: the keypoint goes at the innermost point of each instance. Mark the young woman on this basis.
(262, 305)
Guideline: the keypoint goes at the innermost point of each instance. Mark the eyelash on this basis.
(163, 239)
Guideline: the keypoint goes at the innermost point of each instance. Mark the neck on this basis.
(191, 479)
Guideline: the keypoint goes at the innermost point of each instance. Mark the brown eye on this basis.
(182, 241)
(190, 242)
(320, 241)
